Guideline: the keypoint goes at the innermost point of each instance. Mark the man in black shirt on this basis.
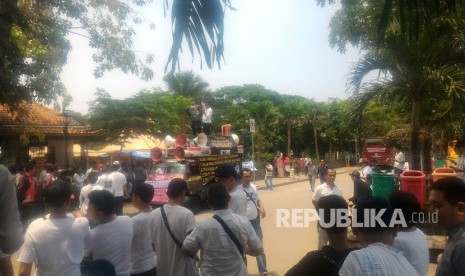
(361, 189)
(328, 260)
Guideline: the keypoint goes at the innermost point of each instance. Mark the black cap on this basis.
(355, 174)
(176, 187)
(226, 171)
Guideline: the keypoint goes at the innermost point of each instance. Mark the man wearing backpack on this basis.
(170, 225)
(224, 239)
(255, 212)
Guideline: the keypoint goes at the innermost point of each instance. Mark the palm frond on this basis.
(201, 23)
(360, 101)
(362, 69)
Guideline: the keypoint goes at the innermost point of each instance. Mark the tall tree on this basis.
(426, 76)
(34, 40)
(154, 113)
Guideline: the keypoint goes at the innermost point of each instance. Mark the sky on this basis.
(283, 47)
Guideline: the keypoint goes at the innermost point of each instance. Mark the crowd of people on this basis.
(98, 239)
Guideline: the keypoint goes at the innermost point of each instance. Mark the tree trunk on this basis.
(315, 136)
(427, 142)
(260, 143)
(289, 138)
(415, 146)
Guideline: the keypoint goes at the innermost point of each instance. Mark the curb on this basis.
(338, 171)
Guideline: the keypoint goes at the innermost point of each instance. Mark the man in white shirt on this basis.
(111, 239)
(367, 171)
(181, 221)
(410, 240)
(255, 211)
(227, 175)
(219, 252)
(55, 243)
(399, 161)
(207, 118)
(378, 257)
(143, 258)
(84, 196)
(325, 189)
(120, 187)
(105, 180)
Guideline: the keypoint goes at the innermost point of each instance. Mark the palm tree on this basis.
(265, 114)
(290, 112)
(426, 76)
(186, 84)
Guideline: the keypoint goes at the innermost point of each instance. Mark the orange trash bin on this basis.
(443, 172)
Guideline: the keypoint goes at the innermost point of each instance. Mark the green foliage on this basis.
(34, 40)
(154, 113)
(423, 79)
(186, 84)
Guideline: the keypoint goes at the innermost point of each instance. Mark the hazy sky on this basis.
(282, 45)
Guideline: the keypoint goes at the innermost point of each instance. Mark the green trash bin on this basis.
(439, 163)
(382, 184)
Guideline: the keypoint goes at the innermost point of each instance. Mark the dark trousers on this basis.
(119, 202)
(207, 128)
(151, 272)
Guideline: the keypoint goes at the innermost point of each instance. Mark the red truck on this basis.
(376, 152)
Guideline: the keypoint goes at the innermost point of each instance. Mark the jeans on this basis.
(269, 182)
(311, 179)
(261, 259)
(119, 202)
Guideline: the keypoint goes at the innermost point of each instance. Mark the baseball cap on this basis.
(176, 186)
(355, 174)
(226, 171)
(116, 162)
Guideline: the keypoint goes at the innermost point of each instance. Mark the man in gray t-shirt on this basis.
(227, 175)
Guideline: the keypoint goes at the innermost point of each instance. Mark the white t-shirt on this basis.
(143, 256)
(399, 160)
(106, 181)
(252, 211)
(414, 246)
(325, 190)
(78, 179)
(218, 253)
(170, 260)
(366, 171)
(56, 246)
(376, 259)
(238, 201)
(119, 180)
(84, 196)
(207, 116)
(112, 241)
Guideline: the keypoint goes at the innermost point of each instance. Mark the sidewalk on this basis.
(281, 181)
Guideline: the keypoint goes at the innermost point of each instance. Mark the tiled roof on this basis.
(33, 118)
